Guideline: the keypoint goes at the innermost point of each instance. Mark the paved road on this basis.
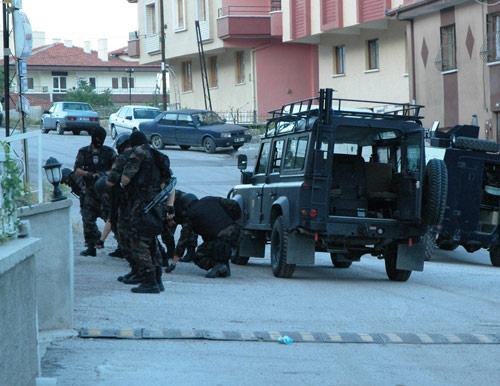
(456, 294)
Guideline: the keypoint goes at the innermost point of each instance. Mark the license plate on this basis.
(83, 119)
(239, 139)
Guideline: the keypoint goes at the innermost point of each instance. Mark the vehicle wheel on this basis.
(435, 192)
(184, 147)
(236, 147)
(237, 259)
(394, 274)
(339, 264)
(209, 145)
(429, 241)
(42, 128)
(279, 246)
(76, 132)
(113, 132)
(59, 129)
(446, 244)
(476, 144)
(495, 255)
(157, 142)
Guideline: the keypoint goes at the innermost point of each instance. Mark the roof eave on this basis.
(423, 7)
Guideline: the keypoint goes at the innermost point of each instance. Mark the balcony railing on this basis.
(99, 90)
(248, 10)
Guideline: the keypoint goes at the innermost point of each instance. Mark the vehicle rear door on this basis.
(49, 120)
(258, 181)
(186, 132)
(125, 120)
(166, 128)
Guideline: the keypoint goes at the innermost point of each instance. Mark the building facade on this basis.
(455, 61)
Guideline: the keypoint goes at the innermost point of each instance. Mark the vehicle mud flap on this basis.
(411, 257)
(252, 244)
(300, 249)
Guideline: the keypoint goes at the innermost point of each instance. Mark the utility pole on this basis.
(6, 57)
(130, 71)
(163, 64)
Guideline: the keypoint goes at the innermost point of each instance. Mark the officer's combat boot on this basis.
(148, 285)
(158, 279)
(188, 257)
(134, 279)
(116, 253)
(88, 252)
(126, 276)
(220, 270)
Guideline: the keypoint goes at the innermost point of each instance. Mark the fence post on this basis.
(255, 117)
(237, 117)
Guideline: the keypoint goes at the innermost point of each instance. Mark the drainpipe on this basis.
(413, 76)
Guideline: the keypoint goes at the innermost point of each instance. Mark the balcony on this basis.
(245, 21)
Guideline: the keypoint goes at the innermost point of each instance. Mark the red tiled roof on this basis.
(57, 54)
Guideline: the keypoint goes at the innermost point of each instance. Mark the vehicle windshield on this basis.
(146, 113)
(76, 106)
(208, 118)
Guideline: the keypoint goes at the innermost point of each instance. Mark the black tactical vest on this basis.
(147, 179)
(209, 217)
(99, 161)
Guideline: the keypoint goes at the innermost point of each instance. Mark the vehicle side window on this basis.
(168, 119)
(261, 166)
(52, 109)
(58, 108)
(295, 153)
(185, 120)
(277, 155)
(121, 113)
(128, 112)
(413, 151)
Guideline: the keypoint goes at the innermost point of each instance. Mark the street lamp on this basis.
(53, 170)
(130, 71)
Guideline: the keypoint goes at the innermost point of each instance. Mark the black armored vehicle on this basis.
(332, 177)
(473, 205)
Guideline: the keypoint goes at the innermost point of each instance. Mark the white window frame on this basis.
(178, 28)
(59, 89)
(148, 27)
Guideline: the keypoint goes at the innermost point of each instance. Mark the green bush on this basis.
(85, 93)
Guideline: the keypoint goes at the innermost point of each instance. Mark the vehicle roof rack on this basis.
(376, 109)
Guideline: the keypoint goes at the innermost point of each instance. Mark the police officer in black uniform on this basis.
(91, 162)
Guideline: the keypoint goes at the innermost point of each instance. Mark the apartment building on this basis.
(361, 53)
(249, 67)
(455, 61)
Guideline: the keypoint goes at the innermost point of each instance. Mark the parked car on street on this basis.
(69, 116)
(128, 118)
(188, 128)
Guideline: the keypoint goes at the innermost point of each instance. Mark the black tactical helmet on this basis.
(122, 141)
(138, 138)
(98, 136)
(101, 187)
(66, 172)
(188, 199)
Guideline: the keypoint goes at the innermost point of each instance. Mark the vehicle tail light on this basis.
(305, 185)
(316, 236)
(313, 213)
(94, 119)
(71, 118)
(410, 242)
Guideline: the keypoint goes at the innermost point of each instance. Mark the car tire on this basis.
(59, 129)
(435, 192)
(114, 134)
(394, 274)
(184, 147)
(209, 145)
(279, 247)
(42, 128)
(429, 241)
(236, 147)
(76, 132)
(339, 264)
(476, 144)
(446, 244)
(495, 255)
(157, 142)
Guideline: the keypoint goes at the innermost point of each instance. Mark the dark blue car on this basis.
(187, 128)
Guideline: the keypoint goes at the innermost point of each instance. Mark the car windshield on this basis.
(76, 106)
(208, 118)
(146, 113)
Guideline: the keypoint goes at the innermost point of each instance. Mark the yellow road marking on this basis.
(127, 332)
(394, 338)
(453, 338)
(483, 338)
(335, 337)
(366, 337)
(95, 331)
(425, 338)
(274, 335)
(307, 337)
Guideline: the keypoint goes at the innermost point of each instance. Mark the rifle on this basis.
(162, 196)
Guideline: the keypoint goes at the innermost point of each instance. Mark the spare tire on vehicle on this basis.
(476, 144)
(435, 192)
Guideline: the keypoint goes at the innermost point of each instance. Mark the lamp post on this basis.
(53, 170)
(130, 71)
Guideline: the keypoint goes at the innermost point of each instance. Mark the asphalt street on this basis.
(454, 297)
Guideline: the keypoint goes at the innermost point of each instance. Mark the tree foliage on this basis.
(86, 93)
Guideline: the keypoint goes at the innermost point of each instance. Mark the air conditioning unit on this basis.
(45, 89)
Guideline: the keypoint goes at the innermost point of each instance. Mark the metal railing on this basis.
(242, 117)
(248, 10)
(98, 90)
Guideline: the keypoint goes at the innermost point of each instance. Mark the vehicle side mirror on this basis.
(46, 112)
(242, 162)
(129, 117)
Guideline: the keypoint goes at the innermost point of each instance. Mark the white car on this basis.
(127, 119)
